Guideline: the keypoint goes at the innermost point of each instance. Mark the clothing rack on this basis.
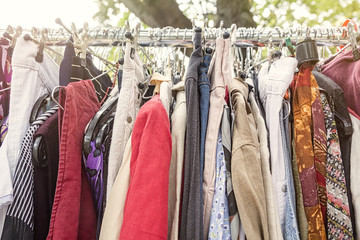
(169, 36)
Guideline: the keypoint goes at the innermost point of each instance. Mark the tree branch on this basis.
(158, 13)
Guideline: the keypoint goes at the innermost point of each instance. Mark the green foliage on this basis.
(304, 13)
(267, 13)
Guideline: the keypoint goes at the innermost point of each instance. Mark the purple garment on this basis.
(94, 166)
(5, 79)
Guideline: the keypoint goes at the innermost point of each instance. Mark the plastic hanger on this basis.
(41, 105)
(104, 131)
(100, 117)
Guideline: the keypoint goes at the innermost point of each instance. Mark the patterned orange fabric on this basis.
(302, 112)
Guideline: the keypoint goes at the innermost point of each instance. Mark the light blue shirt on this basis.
(219, 219)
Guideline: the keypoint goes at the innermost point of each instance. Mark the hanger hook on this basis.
(53, 97)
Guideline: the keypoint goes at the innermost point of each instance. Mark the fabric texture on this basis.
(45, 176)
(145, 210)
(291, 226)
(19, 221)
(220, 77)
(126, 111)
(274, 80)
(89, 71)
(5, 82)
(204, 94)
(73, 214)
(166, 96)
(302, 102)
(226, 132)
(30, 80)
(336, 99)
(66, 64)
(246, 155)
(272, 211)
(114, 212)
(300, 209)
(191, 223)
(338, 218)
(94, 168)
(178, 128)
(319, 145)
(219, 219)
(345, 72)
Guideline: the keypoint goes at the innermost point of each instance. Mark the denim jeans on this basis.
(204, 91)
(291, 228)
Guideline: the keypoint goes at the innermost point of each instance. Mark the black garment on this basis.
(65, 66)
(79, 73)
(338, 104)
(191, 226)
(45, 177)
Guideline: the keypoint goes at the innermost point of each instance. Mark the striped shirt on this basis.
(19, 221)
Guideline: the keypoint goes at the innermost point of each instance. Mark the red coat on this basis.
(146, 205)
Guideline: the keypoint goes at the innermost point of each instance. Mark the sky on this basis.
(42, 13)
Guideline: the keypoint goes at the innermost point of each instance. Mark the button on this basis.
(129, 119)
(284, 188)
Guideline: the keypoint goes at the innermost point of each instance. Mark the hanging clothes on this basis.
(219, 220)
(126, 111)
(319, 145)
(114, 212)
(204, 95)
(344, 71)
(236, 229)
(302, 102)
(272, 213)
(150, 153)
(245, 155)
(339, 220)
(45, 176)
(30, 80)
(19, 221)
(5, 81)
(220, 77)
(73, 214)
(178, 126)
(65, 65)
(274, 80)
(191, 223)
(344, 127)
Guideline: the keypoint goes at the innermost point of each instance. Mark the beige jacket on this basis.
(178, 127)
(247, 175)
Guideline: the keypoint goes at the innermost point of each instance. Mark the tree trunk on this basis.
(234, 11)
(158, 13)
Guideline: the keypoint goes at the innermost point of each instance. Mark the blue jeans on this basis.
(291, 231)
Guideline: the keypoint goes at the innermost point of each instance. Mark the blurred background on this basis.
(179, 13)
